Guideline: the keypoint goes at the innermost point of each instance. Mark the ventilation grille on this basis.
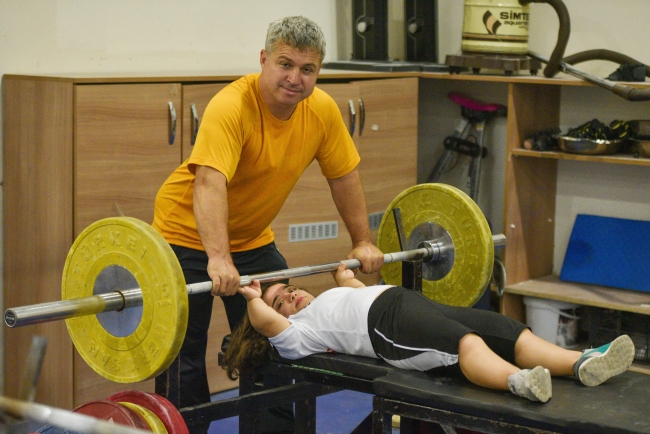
(313, 231)
(374, 220)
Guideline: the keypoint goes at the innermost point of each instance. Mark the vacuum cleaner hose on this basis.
(603, 54)
(553, 65)
(556, 63)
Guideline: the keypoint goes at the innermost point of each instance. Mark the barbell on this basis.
(125, 300)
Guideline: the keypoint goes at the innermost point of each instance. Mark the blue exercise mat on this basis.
(609, 251)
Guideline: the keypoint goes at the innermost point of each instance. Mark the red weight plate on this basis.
(159, 405)
(113, 412)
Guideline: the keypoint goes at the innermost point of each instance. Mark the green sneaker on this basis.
(534, 384)
(597, 365)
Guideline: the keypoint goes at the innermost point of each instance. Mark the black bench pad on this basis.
(365, 368)
(620, 405)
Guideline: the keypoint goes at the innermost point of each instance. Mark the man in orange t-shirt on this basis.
(256, 138)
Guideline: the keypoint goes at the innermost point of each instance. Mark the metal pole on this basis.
(628, 92)
(568, 69)
(68, 420)
(118, 300)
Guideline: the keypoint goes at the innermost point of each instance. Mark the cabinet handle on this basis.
(172, 123)
(353, 117)
(362, 116)
(195, 123)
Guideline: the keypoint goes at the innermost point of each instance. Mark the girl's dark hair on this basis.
(248, 349)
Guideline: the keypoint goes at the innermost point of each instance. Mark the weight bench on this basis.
(618, 406)
(442, 396)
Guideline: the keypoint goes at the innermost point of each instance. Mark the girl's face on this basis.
(286, 299)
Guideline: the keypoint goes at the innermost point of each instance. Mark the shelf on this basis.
(609, 159)
(642, 367)
(550, 287)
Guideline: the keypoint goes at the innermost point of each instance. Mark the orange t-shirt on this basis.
(262, 158)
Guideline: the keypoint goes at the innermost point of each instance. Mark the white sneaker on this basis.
(534, 384)
(597, 365)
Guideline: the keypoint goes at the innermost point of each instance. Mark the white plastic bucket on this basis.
(553, 320)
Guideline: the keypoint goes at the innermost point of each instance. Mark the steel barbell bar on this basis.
(117, 300)
(68, 420)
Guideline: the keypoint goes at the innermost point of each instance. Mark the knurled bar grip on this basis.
(118, 300)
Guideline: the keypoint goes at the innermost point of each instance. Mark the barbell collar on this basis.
(52, 311)
(122, 299)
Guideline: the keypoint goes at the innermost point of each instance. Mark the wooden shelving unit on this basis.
(530, 206)
(536, 103)
(609, 159)
(552, 288)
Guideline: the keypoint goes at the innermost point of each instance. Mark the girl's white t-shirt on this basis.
(336, 321)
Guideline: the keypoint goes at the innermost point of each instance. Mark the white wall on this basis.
(207, 36)
(616, 25)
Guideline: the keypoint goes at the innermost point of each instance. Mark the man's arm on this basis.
(263, 317)
(351, 204)
(211, 214)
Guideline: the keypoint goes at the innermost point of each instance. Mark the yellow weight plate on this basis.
(156, 425)
(133, 245)
(464, 224)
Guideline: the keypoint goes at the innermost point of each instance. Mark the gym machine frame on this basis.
(303, 393)
(309, 382)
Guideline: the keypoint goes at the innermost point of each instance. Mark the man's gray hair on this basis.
(297, 32)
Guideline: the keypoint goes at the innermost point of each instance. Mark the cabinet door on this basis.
(122, 156)
(387, 144)
(346, 96)
(195, 99)
(126, 144)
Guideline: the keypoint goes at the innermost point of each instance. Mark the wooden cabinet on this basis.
(38, 201)
(75, 153)
(126, 143)
(195, 99)
(78, 149)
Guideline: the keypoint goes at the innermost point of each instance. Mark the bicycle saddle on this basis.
(474, 105)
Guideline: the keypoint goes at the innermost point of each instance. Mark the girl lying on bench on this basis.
(410, 331)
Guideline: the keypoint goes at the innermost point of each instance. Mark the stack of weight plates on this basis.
(132, 408)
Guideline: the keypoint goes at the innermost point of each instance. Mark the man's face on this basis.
(288, 76)
(287, 299)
